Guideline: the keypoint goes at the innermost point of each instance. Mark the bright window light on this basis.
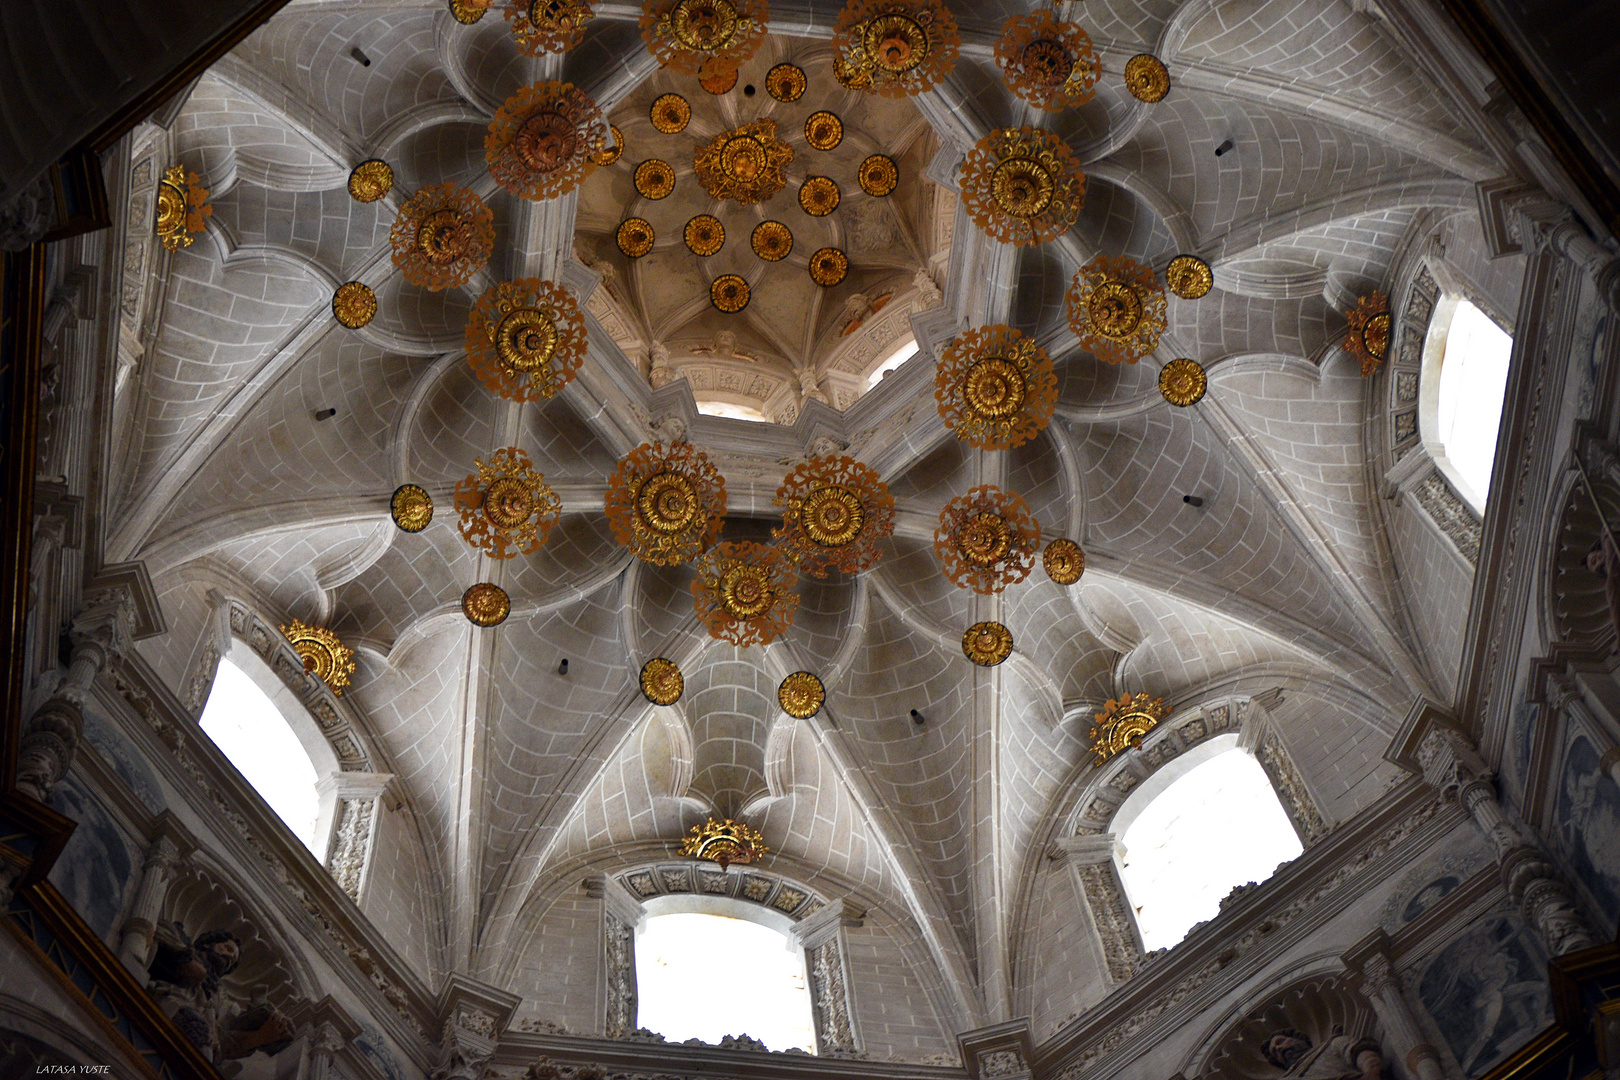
(903, 352)
(1473, 379)
(1218, 826)
(709, 976)
(247, 727)
(732, 412)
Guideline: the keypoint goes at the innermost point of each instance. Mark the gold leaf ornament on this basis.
(324, 656)
(1023, 186)
(801, 695)
(1047, 61)
(1146, 78)
(411, 508)
(1116, 308)
(987, 643)
(746, 164)
(354, 304)
(182, 207)
(1122, 724)
(785, 82)
(1063, 561)
(987, 539)
(744, 592)
(666, 503)
(879, 175)
(670, 113)
(995, 387)
(702, 37)
(661, 681)
(1189, 277)
(635, 237)
(370, 180)
(704, 235)
(544, 139)
(486, 604)
(895, 48)
(443, 235)
(724, 842)
(548, 26)
(526, 339)
(835, 512)
(1183, 382)
(506, 506)
(1367, 338)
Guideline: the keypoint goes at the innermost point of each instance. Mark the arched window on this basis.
(902, 352)
(1465, 366)
(1212, 821)
(707, 976)
(255, 734)
(731, 410)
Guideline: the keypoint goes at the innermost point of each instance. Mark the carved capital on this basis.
(1449, 760)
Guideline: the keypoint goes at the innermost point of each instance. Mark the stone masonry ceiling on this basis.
(1233, 548)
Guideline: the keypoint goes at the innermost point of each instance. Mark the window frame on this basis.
(1429, 377)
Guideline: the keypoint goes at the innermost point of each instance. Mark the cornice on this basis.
(1250, 930)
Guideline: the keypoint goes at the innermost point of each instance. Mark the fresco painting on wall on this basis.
(95, 866)
(117, 751)
(1487, 992)
(1586, 819)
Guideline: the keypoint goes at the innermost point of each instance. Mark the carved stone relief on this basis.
(620, 956)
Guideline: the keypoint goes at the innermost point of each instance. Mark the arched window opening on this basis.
(732, 411)
(1217, 826)
(1465, 378)
(902, 352)
(708, 976)
(248, 728)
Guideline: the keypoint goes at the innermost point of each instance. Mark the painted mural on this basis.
(1586, 821)
(95, 867)
(120, 754)
(1487, 992)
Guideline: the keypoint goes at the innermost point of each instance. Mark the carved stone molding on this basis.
(755, 886)
(331, 714)
(472, 1017)
(827, 965)
(1000, 1052)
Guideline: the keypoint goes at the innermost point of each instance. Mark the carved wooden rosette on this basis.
(526, 339)
(661, 681)
(1064, 561)
(987, 539)
(896, 48)
(370, 180)
(666, 503)
(995, 387)
(543, 141)
(323, 654)
(1046, 61)
(801, 695)
(411, 508)
(744, 592)
(835, 510)
(182, 207)
(745, 164)
(485, 604)
(1367, 338)
(1022, 186)
(507, 508)
(1122, 724)
(442, 237)
(703, 37)
(1116, 308)
(724, 842)
(548, 26)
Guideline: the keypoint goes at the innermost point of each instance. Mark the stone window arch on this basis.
(349, 790)
(1459, 351)
(1177, 746)
(815, 923)
(1423, 311)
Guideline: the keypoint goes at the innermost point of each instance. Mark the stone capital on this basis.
(823, 926)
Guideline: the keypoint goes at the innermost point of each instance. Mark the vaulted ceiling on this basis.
(1344, 157)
